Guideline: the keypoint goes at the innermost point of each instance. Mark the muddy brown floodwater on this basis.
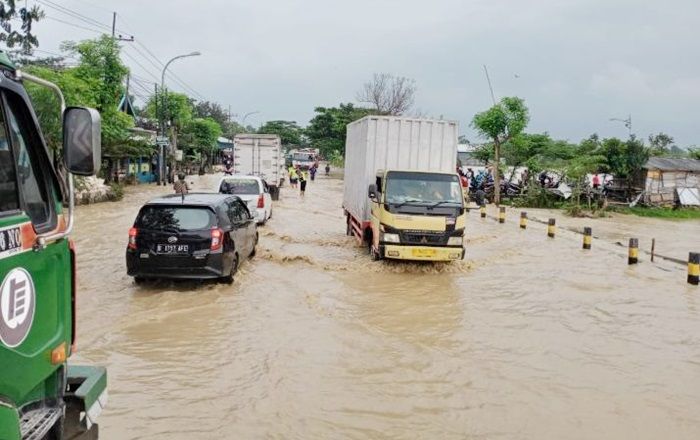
(528, 338)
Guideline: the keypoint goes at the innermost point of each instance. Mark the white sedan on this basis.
(253, 191)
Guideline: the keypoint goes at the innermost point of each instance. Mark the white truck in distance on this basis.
(260, 155)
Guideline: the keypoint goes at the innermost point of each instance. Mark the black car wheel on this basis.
(255, 245)
(234, 268)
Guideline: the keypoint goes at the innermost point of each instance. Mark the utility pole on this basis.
(488, 79)
(627, 122)
(161, 148)
(114, 30)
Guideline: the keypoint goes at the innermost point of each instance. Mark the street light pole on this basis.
(627, 122)
(246, 115)
(165, 109)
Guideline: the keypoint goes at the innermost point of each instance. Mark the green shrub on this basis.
(116, 192)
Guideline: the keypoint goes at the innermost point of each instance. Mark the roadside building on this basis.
(670, 182)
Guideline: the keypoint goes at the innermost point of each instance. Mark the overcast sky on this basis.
(577, 63)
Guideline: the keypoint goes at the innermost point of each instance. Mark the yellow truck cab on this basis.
(417, 215)
(415, 206)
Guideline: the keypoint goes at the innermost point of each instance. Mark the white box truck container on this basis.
(388, 142)
(260, 155)
(409, 166)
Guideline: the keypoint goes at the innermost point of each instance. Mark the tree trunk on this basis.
(496, 178)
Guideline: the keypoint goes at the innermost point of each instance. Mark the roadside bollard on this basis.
(551, 228)
(502, 214)
(694, 268)
(523, 220)
(633, 253)
(587, 235)
(483, 211)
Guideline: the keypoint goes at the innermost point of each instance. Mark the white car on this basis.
(253, 191)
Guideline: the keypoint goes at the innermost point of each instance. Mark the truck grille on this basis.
(424, 238)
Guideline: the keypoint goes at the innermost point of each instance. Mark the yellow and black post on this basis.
(694, 268)
(551, 228)
(633, 253)
(587, 236)
(482, 209)
(502, 214)
(523, 220)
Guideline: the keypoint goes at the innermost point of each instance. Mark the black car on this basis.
(195, 236)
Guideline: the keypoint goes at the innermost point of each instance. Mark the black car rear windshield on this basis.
(179, 218)
(240, 186)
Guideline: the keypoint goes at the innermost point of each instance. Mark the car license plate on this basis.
(423, 252)
(172, 248)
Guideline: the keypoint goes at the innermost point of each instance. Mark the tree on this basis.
(102, 70)
(327, 130)
(660, 144)
(500, 124)
(205, 133)
(388, 94)
(207, 109)
(24, 38)
(76, 91)
(175, 108)
(288, 131)
(694, 153)
(213, 110)
(624, 159)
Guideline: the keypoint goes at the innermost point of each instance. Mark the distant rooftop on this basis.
(672, 164)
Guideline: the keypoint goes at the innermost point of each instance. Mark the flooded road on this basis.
(528, 338)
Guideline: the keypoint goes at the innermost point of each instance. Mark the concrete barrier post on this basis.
(694, 268)
(551, 228)
(523, 220)
(633, 252)
(587, 237)
(502, 214)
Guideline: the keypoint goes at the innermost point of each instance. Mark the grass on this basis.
(667, 213)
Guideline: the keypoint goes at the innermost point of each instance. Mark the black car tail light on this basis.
(217, 239)
(133, 232)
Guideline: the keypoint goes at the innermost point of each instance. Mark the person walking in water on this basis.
(328, 169)
(302, 182)
(312, 173)
(293, 176)
(180, 185)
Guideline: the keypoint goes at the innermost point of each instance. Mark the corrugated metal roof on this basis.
(671, 164)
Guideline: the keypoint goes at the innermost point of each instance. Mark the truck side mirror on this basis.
(82, 140)
(372, 192)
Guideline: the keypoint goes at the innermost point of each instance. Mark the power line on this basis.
(73, 24)
(93, 5)
(153, 59)
(66, 11)
(160, 65)
(140, 65)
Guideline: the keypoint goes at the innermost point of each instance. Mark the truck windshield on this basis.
(422, 188)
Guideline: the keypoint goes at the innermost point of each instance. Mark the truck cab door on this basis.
(36, 291)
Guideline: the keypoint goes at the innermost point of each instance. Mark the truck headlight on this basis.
(390, 238)
(455, 241)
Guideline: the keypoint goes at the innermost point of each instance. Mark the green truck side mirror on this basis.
(82, 140)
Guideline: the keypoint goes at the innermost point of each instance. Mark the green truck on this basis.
(41, 396)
